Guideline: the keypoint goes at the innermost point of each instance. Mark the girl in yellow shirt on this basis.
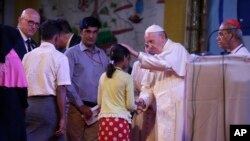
(116, 97)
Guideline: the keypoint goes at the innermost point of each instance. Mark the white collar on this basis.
(68, 42)
(25, 38)
(237, 49)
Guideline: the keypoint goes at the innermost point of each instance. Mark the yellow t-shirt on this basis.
(116, 95)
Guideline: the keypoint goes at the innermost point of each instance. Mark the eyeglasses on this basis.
(32, 23)
(223, 32)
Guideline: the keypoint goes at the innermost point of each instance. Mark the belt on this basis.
(89, 104)
(40, 96)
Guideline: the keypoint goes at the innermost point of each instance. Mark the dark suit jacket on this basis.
(22, 50)
(74, 41)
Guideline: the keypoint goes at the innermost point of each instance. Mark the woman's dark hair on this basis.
(117, 54)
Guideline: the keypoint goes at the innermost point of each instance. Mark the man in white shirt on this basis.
(67, 37)
(165, 82)
(47, 72)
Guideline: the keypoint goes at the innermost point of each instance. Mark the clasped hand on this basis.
(86, 111)
(140, 105)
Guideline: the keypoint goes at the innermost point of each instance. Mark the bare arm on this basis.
(61, 102)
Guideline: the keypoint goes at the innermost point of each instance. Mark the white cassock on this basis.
(137, 75)
(165, 83)
(143, 123)
(240, 50)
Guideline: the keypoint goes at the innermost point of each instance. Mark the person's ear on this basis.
(231, 36)
(56, 38)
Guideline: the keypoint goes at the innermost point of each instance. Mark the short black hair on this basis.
(49, 29)
(64, 25)
(89, 22)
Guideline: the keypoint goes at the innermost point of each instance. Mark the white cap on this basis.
(154, 28)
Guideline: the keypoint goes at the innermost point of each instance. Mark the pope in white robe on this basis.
(144, 122)
(164, 82)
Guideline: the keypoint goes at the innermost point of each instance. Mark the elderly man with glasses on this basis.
(28, 24)
(230, 38)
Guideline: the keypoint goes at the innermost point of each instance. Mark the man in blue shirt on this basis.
(87, 63)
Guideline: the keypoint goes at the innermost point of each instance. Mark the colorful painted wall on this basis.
(126, 20)
(122, 20)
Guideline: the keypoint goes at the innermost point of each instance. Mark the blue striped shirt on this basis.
(86, 67)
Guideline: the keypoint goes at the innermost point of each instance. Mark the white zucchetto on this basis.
(154, 28)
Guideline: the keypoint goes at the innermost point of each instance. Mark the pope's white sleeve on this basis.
(167, 60)
(147, 88)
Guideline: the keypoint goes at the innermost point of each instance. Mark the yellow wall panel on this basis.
(174, 19)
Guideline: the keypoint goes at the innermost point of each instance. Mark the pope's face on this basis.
(154, 42)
